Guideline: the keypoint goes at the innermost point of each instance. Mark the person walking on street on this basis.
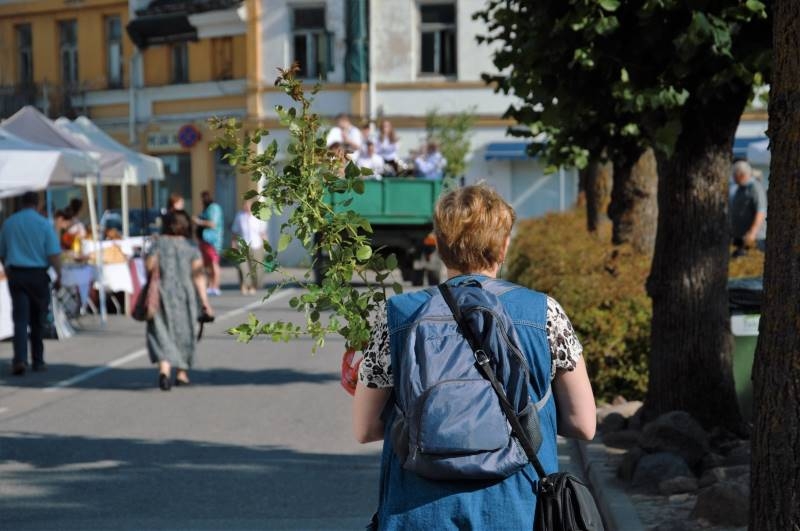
(253, 231)
(748, 210)
(472, 227)
(171, 340)
(210, 228)
(28, 247)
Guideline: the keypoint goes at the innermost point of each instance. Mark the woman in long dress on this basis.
(171, 337)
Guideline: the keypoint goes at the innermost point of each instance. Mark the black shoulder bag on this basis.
(563, 501)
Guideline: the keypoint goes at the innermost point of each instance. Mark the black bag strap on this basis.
(484, 366)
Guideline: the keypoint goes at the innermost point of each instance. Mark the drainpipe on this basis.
(373, 5)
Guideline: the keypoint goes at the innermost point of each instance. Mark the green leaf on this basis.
(284, 242)
(755, 6)
(609, 5)
(391, 262)
(397, 288)
(364, 252)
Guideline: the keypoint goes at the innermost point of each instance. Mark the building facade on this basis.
(152, 73)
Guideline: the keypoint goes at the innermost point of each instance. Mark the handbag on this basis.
(563, 502)
(149, 300)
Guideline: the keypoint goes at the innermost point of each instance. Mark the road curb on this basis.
(612, 500)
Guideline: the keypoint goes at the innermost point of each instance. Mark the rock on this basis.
(635, 421)
(724, 473)
(624, 439)
(627, 465)
(652, 469)
(673, 525)
(626, 409)
(679, 499)
(739, 455)
(712, 460)
(677, 485)
(724, 504)
(613, 422)
(679, 433)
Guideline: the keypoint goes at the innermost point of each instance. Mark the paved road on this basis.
(261, 441)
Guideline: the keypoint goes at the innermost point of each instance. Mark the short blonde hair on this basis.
(471, 225)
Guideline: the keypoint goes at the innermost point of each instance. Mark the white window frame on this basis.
(68, 53)
(318, 41)
(437, 29)
(24, 54)
(114, 53)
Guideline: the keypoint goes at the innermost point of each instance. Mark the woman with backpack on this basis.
(448, 462)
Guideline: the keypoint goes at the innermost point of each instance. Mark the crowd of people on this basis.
(377, 148)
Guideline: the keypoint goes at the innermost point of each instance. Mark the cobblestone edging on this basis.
(600, 465)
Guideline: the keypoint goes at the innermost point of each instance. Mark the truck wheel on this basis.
(433, 278)
(417, 277)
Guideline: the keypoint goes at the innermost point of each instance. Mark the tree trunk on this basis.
(775, 473)
(595, 179)
(690, 344)
(633, 208)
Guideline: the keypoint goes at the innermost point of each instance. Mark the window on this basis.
(24, 54)
(114, 51)
(438, 39)
(311, 42)
(180, 63)
(222, 65)
(68, 51)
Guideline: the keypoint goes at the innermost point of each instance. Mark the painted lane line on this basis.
(91, 373)
(3, 410)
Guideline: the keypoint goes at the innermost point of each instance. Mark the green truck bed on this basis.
(394, 201)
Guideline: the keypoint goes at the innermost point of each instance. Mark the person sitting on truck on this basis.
(387, 146)
(371, 160)
(431, 163)
(344, 133)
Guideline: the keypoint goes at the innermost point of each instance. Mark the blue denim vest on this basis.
(408, 501)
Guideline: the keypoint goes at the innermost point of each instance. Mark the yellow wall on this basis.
(44, 17)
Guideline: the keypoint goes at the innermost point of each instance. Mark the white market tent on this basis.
(136, 169)
(29, 124)
(26, 166)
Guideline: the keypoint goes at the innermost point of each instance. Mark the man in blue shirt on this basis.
(211, 224)
(28, 246)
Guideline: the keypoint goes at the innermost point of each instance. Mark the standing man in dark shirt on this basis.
(748, 210)
(28, 246)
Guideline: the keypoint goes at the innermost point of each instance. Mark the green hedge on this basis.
(602, 290)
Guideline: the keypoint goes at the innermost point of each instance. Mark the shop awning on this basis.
(506, 151)
(740, 145)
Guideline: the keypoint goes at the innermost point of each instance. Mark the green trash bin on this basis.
(745, 296)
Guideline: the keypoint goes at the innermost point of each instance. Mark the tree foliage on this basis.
(452, 133)
(608, 78)
(302, 187)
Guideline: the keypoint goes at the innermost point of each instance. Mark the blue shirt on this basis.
(27, 239)
(213, 213)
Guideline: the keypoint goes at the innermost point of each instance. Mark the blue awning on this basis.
(740, 145)
(507, 151)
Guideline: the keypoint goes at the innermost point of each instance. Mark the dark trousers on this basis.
(30, 299)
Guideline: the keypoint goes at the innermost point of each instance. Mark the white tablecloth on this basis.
(116, 277)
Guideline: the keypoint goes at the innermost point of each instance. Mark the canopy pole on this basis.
(98, 250)
(126, 230)
(48, 197)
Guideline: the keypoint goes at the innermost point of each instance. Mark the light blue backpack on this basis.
(448, 422)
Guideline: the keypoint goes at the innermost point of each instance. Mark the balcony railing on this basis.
(53, 100)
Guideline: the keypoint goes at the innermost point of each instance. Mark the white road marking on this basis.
(3, 410)
(91, 373)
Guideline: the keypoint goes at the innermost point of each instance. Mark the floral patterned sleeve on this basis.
(565, 348)
(376, 369)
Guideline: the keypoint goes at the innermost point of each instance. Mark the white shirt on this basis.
(353, 137)
(387, 149)
(249, 228)
(430, 165)
(374, 162)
